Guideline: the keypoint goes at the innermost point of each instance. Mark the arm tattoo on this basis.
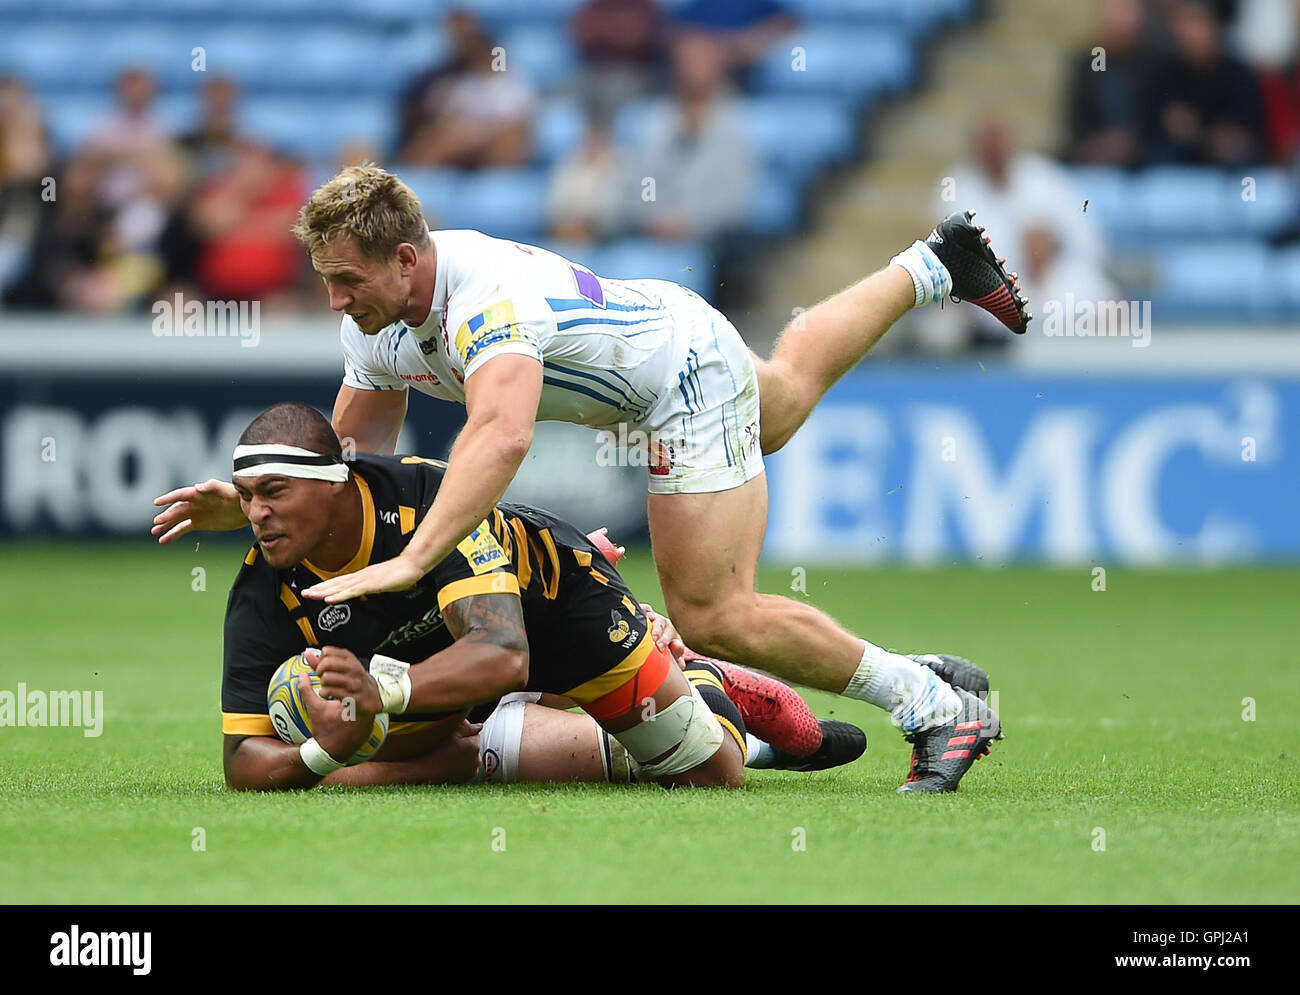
(488, 618)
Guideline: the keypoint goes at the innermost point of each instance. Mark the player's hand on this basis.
(396, 574)
(664, 633)
(212, 506)
(458, 756)
(343, 677)
(338, 735)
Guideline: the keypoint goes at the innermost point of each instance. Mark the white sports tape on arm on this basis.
(316, 759)
(394, 680)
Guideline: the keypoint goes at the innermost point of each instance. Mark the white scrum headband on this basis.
(287, 461)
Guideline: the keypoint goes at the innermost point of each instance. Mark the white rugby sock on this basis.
(915, 696)
(758, 754)
(930, 278)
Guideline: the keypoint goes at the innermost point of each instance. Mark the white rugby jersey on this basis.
(610, 349)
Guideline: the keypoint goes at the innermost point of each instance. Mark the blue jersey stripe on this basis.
(631, 402)
(578, 303)
(578, 388)
(638, 394)
(574, 322)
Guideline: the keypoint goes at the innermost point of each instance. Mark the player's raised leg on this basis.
(716, 606)
(823, 343)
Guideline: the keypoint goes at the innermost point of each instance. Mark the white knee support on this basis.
(499, 739)
(687, 728)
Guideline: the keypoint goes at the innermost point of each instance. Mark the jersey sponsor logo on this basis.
(414, 630)
(488, 328)
(420, 378)
(332, 616)
(482, 550)
(620, 631)
(388, 517)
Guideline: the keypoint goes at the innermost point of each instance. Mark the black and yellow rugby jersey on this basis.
(586, 632)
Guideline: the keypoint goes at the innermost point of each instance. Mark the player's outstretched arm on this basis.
(212, 506)
(501, 399)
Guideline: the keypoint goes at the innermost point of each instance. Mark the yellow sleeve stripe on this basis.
(307, 632)
(583, 557)
(496, 583)
(521, 543)
(552, 585)
(246, 724)
(704, 677)
(735, 734)
(609, 681)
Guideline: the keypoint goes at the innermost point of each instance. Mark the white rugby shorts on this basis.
(704, 432)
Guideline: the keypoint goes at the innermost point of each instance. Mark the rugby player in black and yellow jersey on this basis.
(525, 602)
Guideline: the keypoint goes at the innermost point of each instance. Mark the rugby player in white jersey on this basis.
(518, 334)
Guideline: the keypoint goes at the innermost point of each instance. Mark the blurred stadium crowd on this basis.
(644, 138)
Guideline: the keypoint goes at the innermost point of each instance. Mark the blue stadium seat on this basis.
(1214, 280)
(1109, 192)
(795, 134)
(1286, 263)
(852, 62)
(687, 263)
(72, 118)
(799, 134)
(775, 209)
(438, 190)
(1274, 206)
(413, 50)
(48, 54)
(301, 125)
(1179, 200)
(500, 12)
(543, 54)
(506, 203)
(558, 128)
(921, 14)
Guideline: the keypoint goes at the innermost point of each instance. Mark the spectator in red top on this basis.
(242, 217)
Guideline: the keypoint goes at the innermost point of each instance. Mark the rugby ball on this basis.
(289, 715)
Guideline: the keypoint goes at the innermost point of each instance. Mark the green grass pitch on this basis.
(1123, 710)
